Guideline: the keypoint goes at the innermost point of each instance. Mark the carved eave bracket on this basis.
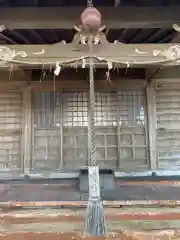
(84, 37)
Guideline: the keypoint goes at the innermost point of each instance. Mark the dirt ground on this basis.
(49, 224)
(157, 235)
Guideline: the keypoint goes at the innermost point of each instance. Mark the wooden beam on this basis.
(124, 17)
(12, 85)
(83, 85)
(72, 85)
(20, 36)
(129, 54)
(41, 39)
(2, 28)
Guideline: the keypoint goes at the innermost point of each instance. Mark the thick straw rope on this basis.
(92, 119)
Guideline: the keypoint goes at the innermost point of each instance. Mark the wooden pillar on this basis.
(61, 133)
(151, 112)
(27, 129)
(118, 131)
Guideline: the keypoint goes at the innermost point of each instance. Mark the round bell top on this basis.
(91, 18)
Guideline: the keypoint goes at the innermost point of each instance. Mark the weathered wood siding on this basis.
(168, 118)
(11, 120)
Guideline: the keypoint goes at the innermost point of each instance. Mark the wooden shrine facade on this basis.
(44, 118)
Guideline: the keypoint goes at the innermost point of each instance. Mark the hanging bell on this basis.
(91, 18)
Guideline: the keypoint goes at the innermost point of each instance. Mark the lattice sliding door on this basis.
(75, 122)
(10, 131)
(132, 135)
(106, 129)
(75, 130)
(47, 132)
(61, 130)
